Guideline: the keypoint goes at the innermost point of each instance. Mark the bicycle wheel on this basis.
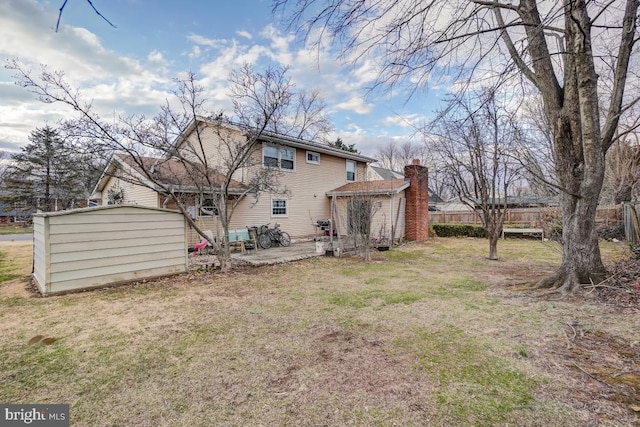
(285, 239)
(264, 240)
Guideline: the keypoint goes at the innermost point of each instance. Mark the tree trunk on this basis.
(581, 261)
(493, 246)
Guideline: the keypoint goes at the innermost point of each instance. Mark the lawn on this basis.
(429, 334)
(11, 229)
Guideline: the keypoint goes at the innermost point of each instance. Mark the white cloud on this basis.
(355, 104)
(204, 41)
(245, 34)
(155, 56)
(195, 52)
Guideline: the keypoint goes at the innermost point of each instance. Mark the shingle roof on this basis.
(177, 173)
(386, 173)
(386, 186)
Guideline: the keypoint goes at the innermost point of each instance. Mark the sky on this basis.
(130, 69)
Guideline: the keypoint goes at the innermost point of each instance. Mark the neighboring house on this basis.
(16, 213)
(313, 174)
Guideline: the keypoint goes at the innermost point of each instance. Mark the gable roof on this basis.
(387, 173)
(369, 188)
(275, 138)
(169, 172)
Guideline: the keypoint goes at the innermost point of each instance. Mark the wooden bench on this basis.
(240, 238)
(531, 231)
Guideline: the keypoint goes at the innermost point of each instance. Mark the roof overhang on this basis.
(372, 192)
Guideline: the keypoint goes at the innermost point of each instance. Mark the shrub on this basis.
(459, 230)
(609, 232)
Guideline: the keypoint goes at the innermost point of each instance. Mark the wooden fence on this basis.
(630, 218)
(528, 217)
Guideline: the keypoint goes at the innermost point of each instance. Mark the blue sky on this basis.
(129, 69)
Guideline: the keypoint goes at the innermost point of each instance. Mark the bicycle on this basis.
(267, 236)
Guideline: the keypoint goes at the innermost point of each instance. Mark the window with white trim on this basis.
(279, 207)
(313, 157)
(208, 207)
(278, 157)
(351, 170)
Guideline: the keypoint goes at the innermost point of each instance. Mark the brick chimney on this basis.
(416, 211)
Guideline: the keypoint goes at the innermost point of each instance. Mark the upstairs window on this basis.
(287, 158)
(278, 157)
(270, 156)
(351, 171)
(313, 158)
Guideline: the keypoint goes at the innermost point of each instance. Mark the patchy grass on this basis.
(423, 335)
(473, 385)
(15, 260)
(12, 229)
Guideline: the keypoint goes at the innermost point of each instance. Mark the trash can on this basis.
(319, 247)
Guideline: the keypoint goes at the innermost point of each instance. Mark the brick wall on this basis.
(417, 207)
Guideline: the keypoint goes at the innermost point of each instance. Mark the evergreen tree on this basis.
(45, 175)
(342, 146)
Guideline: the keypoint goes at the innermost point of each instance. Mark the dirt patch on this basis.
(606, 369)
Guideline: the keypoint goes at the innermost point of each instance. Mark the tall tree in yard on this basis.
(45, 174)
(476, 142)
(560, 48)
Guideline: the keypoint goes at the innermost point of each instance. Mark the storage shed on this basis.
(99, 246)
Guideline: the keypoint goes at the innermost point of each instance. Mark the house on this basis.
(14, 213)
(312, 178)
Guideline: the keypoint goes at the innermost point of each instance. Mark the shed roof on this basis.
(102, 208)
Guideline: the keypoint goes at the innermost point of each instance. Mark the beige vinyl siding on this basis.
(383, 219)
(214, 144)
(134, 194)
(385, 216)
(100, 246)
(39, 253)
(307, 201)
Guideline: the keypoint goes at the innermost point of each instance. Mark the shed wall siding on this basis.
(103, 246)
(39, 252)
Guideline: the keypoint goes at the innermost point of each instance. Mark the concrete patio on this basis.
(274, 255)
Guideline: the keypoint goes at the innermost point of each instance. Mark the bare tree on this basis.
(622, 174)
(183, 167)
(396, 155)
(551, 46)
(361, 209)
(305, 118)
(64, 4)
(476, 144)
